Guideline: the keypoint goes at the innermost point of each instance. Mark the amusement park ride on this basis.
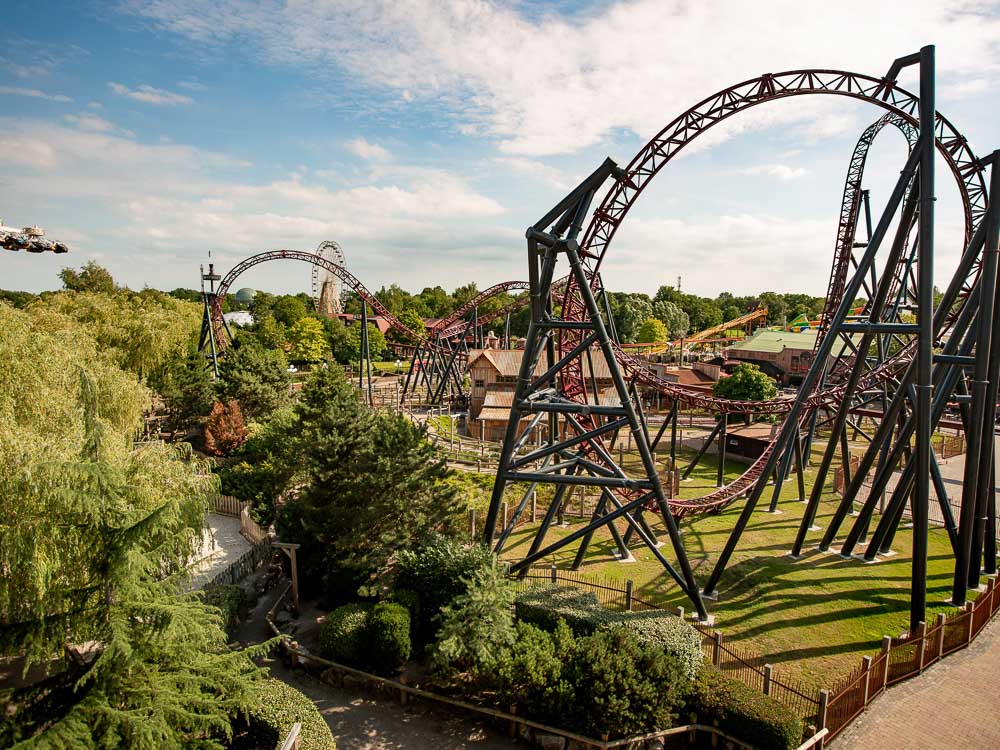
(897, 356)
(31, 239)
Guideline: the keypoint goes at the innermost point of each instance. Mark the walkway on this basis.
(222, 544)
(954, 704)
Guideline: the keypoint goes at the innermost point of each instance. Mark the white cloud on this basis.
(192, 85)
(535, 170)
(96, 124)
(781, 172)
(150, 95)
(548, 83)
(368, 151)
(33, 93)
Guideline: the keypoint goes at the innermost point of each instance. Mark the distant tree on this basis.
(464, 293)
(350, 352)
(91, 277)
(17, 299)
(269, 332)
(413, 321)
(187, 295)
(185, 385)
(436, 301)
(673, 317)
(629, 312)
(747, 383)
(256, 377)
(288, 310)
(224, 431)
(308, 340)
(651, 330)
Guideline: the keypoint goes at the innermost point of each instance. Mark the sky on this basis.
(424, 136)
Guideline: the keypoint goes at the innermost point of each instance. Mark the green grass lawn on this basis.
(813, 618)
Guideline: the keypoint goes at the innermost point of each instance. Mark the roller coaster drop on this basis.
(883, 356)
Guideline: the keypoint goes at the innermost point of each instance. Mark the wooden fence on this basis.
(227, 505)
(904, 657)
(246, 564)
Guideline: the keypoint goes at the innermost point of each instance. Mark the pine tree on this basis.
(224, 431)
(93, 551)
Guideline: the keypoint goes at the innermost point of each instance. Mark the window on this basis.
(480, 383)
(507, 379)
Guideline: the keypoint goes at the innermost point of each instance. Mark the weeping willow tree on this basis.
(94, 540)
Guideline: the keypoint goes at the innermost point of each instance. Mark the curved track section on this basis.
(608, 216)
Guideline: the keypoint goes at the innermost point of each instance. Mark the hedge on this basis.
(342, 636)
(742, 712)
(544, 606)
(388, 637)
(276, 707)
(230, 600)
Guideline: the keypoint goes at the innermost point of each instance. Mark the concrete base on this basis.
(861, 558)
(890, 553)
(713, 597)
(792, 557)
(623, 559)
(776, 512)
(815, 528)
(709, 620)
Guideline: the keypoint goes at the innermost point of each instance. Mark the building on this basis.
(493, 373)
(749, 441)
(784, 355)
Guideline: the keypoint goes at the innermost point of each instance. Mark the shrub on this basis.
(545, 606)
(438, 571)
(665, 631)
(411, 600)
(621, 687)
(276, 707)
(388, 637)
(530, 672)
(743, 712)
(342, 637)
(231, 601)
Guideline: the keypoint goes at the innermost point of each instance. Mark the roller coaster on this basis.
(897, 355)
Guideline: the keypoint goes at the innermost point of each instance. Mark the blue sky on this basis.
(424, 136)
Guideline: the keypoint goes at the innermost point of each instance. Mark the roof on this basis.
(776, 341)
(687, 376)
(757, 431)
(238, 317)
(508, 362)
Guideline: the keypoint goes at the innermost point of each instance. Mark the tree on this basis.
(308, 340)
(289, 309)
(224, 431)
(269, 332)
(92, 546)
(651, 330)
(256, 377)
(673, 317)
(375, 485)
(629, 312)
(185, 385)
(747, 383)
(414, 322)
(90, 278)
(436, 301)
(350, 351)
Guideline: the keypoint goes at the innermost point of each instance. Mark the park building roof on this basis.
(508, 362)
(776, 341)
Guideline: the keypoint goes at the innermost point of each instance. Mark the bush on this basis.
(667, 632)
(545, 606)
(411, 600)
(743, 712)
(621, 687)
(342, 637)
(276, 707)
(230, 600)
(388, 637)
(438, 571)
(529, 672)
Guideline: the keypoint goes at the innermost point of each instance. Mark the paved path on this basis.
(221, 545)
(954, 704)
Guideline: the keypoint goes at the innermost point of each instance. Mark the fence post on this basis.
(921, 635)
(628, 596)
(886, 648)
(940, 625)
(767, 679)
(866, 662)
(680, 612)
(534, 505)
(503, 510)
(716, 648)
(472, 522)
(968, 630)
(554, 571)
(824, 701)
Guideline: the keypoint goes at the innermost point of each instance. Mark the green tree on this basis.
(629, 312)
(269, 332)
(673, 317)
(91, 277)
(350, 351)
(185, 385)
(747, 383)
(652, 330)
(256, 377)
(289, 309)
(308, 340)
(436, 301)
(87, 542)
(375, 484)
(412, 320)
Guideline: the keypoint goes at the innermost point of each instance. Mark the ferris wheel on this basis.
(327, 289)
